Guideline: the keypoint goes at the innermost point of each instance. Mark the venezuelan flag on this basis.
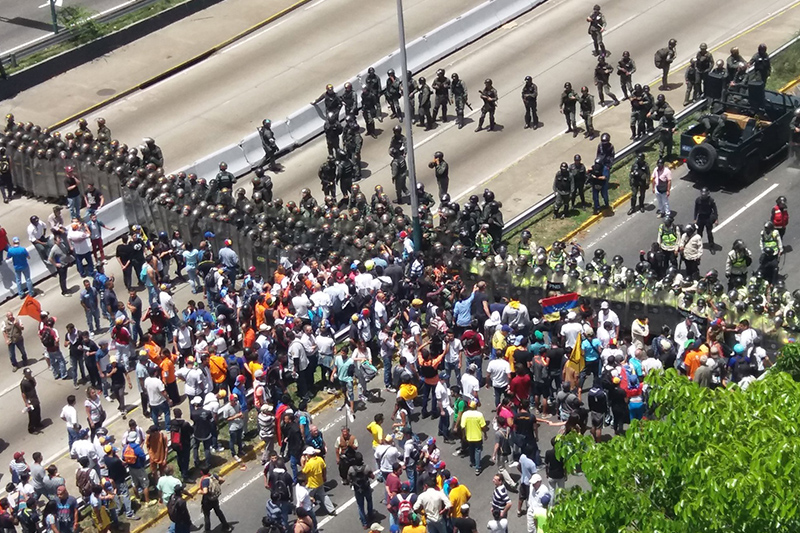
(552, 307)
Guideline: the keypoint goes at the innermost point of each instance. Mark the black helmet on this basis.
(488, 195)
(577, 157)
(618, 260)
(526, 234)
(672, 42)
(568, 86)
(599, 254)
(564, 166)
(438, 155)
(440, 72)
(487, 81)
(604, 138)
(371, 70)
(390, 72)
(704, 192)
(421, 79)
(528, 79)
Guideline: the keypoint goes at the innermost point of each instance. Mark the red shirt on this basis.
(473, 343)
(121, 335)
(3, 239)
(520, 388)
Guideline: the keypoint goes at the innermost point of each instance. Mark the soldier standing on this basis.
(669, 236)
(586, 102)
(333, 129)
(569, 101)
(625, 69)
(268, 144)
(705, 61)
(597, 25)
(345, 173)
(102, 129)
(412, 88)
(602, 72)
(352, 146)
(771, 250)
(762, 67)
(647, 106)
(705, 215)
(637, 112)
(663, 60)
(327, 176)
(332, 101)
(530, 94)
(489, 97)
(732, 64)
(692, 85)
(223, 180)
(399, 175)
(441, 88)
(373, 83)
(639, 180)
(578, 171)
(369, 108)
(424, 98)
(667, 128)
(151, 153)
(349, 99)
(738, 261)
(442, 171)
(393, 91)
(398, 140)
(458, 90)
(564, 188)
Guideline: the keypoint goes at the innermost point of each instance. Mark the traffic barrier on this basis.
(306, 123)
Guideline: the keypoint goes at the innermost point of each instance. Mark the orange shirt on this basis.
(153, 351)
(435, 362)
(260, 309)
(249, 338)
(167, 370)
(157, 448)
(218, 367)
(692, 362)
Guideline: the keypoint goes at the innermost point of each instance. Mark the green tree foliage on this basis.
(789, 360)
(722, 460)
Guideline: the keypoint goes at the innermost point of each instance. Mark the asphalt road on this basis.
(22, 22)
(743, 210)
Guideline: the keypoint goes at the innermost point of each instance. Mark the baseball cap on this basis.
(405, 485)
(536, 478)
(506, 328)
(376, 527)
(197, 400)
(310, 450)
(403, 234)
(473, 367)
(251, 269)
(240, 379)
(453, 481)
(258, 373)
(18, 455)
(538, 335)
(416, 302)
(545, 499)
(232, 397)
(132, 436)
(209, 235)
(604, 305)
(15, 240)
(222, 394)
(108, 448)
(571, 315)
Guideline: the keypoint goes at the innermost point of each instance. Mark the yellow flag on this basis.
(576, 362)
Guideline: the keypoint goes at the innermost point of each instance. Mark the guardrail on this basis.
(519, 220)
(306, 123)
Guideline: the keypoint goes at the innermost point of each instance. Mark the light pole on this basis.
(54, 15)
(412, 171)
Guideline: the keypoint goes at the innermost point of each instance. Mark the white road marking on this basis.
(342, 507)
(256, 35)
(315, 4)
(239, 489)
(746, 207)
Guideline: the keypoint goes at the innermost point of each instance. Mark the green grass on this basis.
(76, 19)
(785, 68)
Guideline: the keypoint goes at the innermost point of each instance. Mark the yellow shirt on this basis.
(377, 433)
(472, 422)
(499, 342)
(414, 529)
(313, 469)
(458, 496)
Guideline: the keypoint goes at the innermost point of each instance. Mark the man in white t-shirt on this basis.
(499, 372)
(452, 356)
(470, 384)
(80, 241)
(606, 314)
(70, 417)
(157, 397)
(570, 331)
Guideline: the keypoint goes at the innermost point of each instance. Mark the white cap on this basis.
(604, 305)
(571, 315)
(310, 450)
(536, 478)
(197, 400)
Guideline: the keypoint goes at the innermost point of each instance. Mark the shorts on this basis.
(541, 389)
(524, 491)
(139, 478)
(597, 420)
(347, 388)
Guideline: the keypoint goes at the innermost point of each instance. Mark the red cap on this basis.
(251, 269)
(403, 234)
(18, 455)
(365, 312)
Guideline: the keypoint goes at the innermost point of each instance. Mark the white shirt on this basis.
(301, 303)
(184, 338)
(650, 364)
(195, 381)
(386, 455)
(154, 388)
(498, 526)
(323, 301)
(470, 386)
(681, 335)
(535, 497)
(608, 352)
(746, 339)
(604, 336)
(570, 332)
(387, 344)
(498, 370)
(80, 241)
(381, 317)
(302, 497)
(363, 283)
(167, 304)
(325, 345)
(454, 352)
(69, 415)
(36, 232)
(607, 315)
(443, 397)
(760, 354)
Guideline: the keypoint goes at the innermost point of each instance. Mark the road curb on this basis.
(181, 66)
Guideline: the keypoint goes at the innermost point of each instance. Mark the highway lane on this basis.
(269, 74)
(742, 214)
(552, 46)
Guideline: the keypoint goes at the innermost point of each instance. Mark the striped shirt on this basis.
(500, 498)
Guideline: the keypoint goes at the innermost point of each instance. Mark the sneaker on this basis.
(132, 517)
(14, 369)
(391, 389)
(362, 398)
(350, 416)
(513, 464)
(237, 459)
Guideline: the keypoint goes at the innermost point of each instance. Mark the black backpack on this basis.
(361, 479)
(280, 491)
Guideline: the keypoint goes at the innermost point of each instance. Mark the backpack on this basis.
(84, 482)
(416, 452)
(48, 338)
(129, 455)
(175, 438)
(171, 507)
(404, 510)
(233, 369)
(659, 57)
(280, 491)
(361, 479)
(214, 487)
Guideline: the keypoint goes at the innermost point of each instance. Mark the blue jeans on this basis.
(475, 454)
(362, 499)
(387, 371)
(411, 473)
(152, 294)
(72, 436)
(92, 315)
(58, 365)
(294, 461)
(436, 527)
(77, 364)
(157, 410)
(87, 270)
(74, 205)
(444, 425)
(603, 191)
(427, 391)
(451, 368)
(12, 352)
(192, 274)
(286, 508)
(477, 361)
(18, 275)
(235, 441)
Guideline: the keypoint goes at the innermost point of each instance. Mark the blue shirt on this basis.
(19, 256)
(591, 350)
(462, 311)
(527, 469)
(192, 257)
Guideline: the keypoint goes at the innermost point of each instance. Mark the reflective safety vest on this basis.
(523, 249)
(770, 240)
(554, 259)
(739, 261)
(667, 236)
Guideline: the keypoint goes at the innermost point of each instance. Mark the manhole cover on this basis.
(106, 92)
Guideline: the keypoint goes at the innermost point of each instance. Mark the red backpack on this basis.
(404, 510)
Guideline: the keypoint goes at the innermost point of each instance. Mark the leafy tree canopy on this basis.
(723, 460)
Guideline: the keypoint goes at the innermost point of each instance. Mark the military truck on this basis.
(743, 131)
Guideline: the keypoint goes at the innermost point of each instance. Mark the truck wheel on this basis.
(701, 158)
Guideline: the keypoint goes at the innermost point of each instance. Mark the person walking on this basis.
(210, 487)
(662, 185)
(30, 397)
(706, 216)
(178, 511)
(19, 258)
(474, 427)
(359, 476)
(12, 333)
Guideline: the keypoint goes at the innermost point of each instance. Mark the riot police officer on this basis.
(578, 171)
(647, 106)
(564, 188)
(704, 64)
(762, 66)
(771, 250)
(393, 92)
(333, 103)
(586, 102)
(373, 84)
(625, 69)
(736, 265)
(569, 100)
(530, 95)
(423, 197)
(345, 173)
(424, 100)
(597, 25)
(441, 90)
(327, 176)
(706, 216)
(637, 112)
(442, 171)
(333, 129)
(151, 153)
(489, 97)
(602, 73)
(349, 99)
(267, 137)
(399, 175)
(732, 64)
(102, 129)
(692, 85)
(663, 60)
(369, 109)
(352, 143)
(639, 180)
(412, 87)
(223, 180)
(398, 140)
(458, 91)
(779, 216)
(669, 236)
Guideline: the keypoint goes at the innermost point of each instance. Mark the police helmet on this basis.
(604, 138)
